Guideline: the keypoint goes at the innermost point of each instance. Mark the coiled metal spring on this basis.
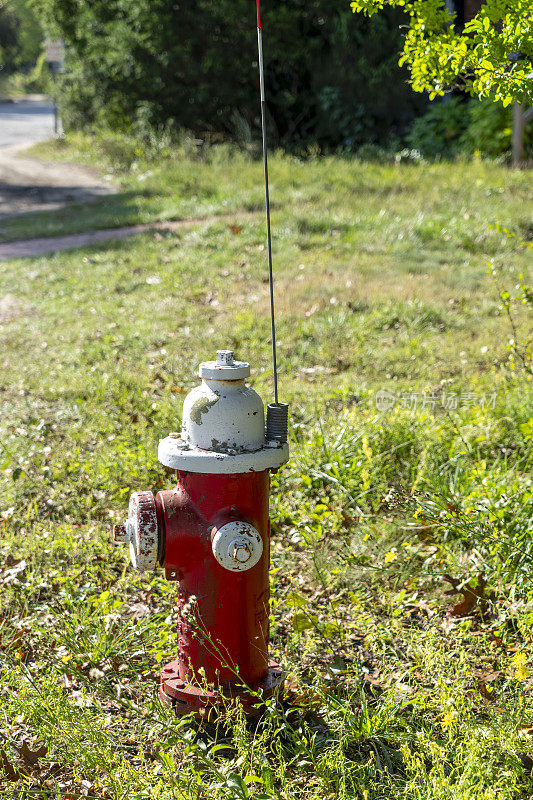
(277, 421)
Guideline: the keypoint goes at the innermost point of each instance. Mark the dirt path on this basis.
(31, 184)
(30, 248)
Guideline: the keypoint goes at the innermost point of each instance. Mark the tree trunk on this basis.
(519, 124)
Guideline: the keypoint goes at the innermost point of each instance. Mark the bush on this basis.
(364, 98)
(439, 131)
(490, 130)
(455, 125)
(20, 36)
(332, 78)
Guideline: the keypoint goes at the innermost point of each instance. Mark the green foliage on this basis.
(490, 130)
(491, 57)
(438, 132)
(361, 102)
(457, 126)
(21, 36)
(194, 66)
(488, 508)
(36, 79)
(512, 297)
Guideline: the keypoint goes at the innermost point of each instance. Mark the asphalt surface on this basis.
(26, 121)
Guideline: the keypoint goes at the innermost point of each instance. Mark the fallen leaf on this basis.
(464, 608)
(10, 772)
(235, 229)
(487, 692)
(294, 695)
(473, 593)
(491, 676)
(15, 641)
(32, 756)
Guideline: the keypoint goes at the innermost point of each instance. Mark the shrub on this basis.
(438, 132)
(490, 130)
(455, 125)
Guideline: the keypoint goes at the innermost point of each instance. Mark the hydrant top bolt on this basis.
(225, 368)
(225, 358)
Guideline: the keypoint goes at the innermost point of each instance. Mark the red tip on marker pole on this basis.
(258, 13)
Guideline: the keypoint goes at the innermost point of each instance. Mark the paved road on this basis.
(26, 121)
(31, 184)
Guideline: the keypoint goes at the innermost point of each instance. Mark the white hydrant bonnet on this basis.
(223, 429)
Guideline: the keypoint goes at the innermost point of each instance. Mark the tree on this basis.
(490, 57)
(21, 37)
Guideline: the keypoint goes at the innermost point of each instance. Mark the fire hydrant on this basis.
(211, 533)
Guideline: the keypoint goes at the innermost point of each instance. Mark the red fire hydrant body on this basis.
(211, 534)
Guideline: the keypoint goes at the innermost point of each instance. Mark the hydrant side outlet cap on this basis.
(237, 546)
(142, 531)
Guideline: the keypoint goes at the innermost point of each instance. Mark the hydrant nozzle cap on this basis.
(225, 368)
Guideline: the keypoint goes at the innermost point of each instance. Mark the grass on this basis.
(401, 598)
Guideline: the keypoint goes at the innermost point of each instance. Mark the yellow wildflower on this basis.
(448, 719)
(390, 557)
(366, 537)
(417, 512)
(521, 671)
(367, 450)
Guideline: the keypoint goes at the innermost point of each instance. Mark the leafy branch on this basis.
(490, 57)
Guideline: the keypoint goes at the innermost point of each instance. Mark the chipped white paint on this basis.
(224, 415)
(175, 453)
(142, 531)
(237, 546)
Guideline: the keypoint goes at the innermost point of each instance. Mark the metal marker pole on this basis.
(267, 198)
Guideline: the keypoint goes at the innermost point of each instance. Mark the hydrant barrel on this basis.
(223, 631)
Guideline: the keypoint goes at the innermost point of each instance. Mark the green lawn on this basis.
(402, 603)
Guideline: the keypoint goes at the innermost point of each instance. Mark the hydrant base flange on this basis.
(187, 698)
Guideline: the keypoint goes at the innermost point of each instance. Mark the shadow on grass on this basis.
(112, 211)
